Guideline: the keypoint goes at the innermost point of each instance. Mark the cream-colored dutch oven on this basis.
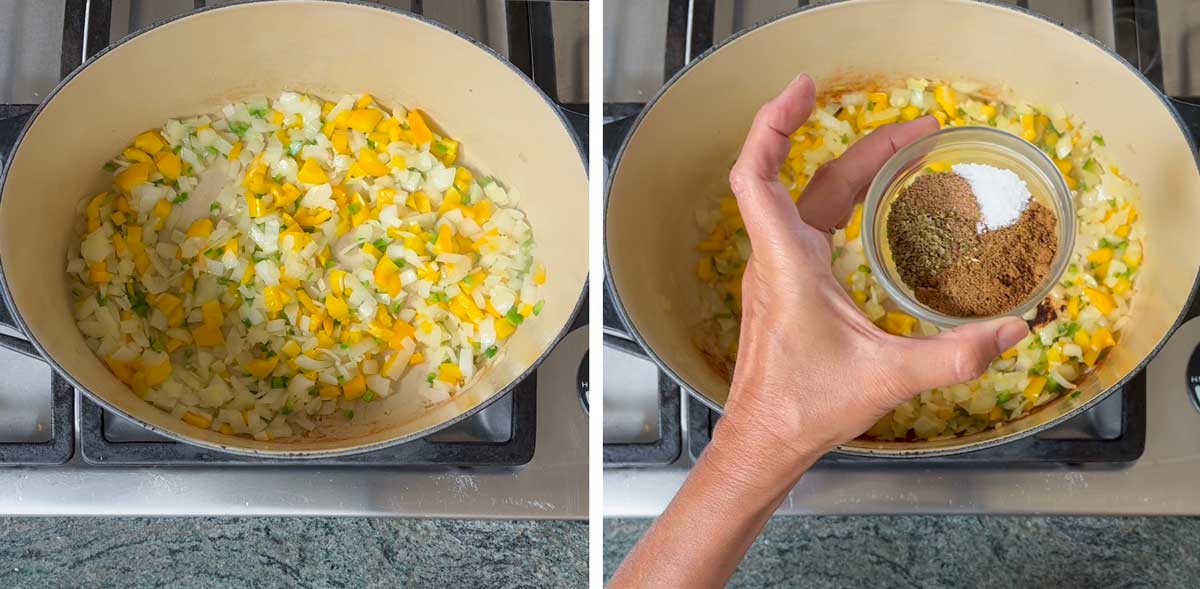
(197, 63)
(682, 146)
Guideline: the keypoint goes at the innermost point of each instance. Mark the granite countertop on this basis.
(290, 552)
(955, 551)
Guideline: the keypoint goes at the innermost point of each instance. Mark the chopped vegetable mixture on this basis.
(1090, 305)
(283, 260)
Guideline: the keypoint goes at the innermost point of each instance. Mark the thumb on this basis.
(955, 356)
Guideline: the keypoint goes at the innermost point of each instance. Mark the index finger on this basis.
(765, 205)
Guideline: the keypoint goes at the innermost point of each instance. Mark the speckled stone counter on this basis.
(958, 551)
(290, 552)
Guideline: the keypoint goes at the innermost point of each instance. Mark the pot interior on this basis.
(681, 152)
(198, 63)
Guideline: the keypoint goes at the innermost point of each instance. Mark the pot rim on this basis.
(283, 453)
(907, 453)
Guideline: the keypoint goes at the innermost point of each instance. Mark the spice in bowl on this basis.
(971, 241)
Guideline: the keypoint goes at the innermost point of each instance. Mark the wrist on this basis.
(751, 454)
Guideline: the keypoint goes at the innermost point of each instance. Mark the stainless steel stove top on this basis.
(649, 416)
(43, 41)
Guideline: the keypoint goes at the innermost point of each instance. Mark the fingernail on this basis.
(1011, 333)
(798, 78)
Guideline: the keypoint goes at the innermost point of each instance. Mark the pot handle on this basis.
(10, 342)
(12, 120)
(13, 343)
(1188, 108)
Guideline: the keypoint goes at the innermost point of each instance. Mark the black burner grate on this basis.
(97, 448)
(86, 28)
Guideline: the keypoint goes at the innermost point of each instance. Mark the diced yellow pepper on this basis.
(341, 141)
(1033, 390)
(1103, 338)
(254, 206)
(262, 367)
(313, 217)
(337, 307)
(448, 152)
(854, 228)
(897, 323)
(208, 335)
(910, 113)
(1103, 302)
(363, 120)
(135, 174)
(200, 421)
(1100, 256)
(312, 173)
(1122, 286)
(419, 128)
(449, 373)
(286, 196)
(168, 302)
(419, 201)
(1073, 307)
(135, 155)
(122, 370)
(150, 142)
(387, 276)
(946, 98)
(1122, 231)
(157, 374)
(1131, 259)
(235, 151)
(1054, 355)
(200, 228)
(1090, 356)
(368, 160)
(355, 387)
(504, 328)
(445, 242)
(1009, 353)
(162, 209)
(169, 165)
(211, 312)
(291, 348)
(1082, 339)
(98, 273)
(1028, 132)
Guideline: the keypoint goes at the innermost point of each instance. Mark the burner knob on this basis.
(1193, 377)
(582, 385)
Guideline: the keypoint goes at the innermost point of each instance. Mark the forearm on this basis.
(713, 520)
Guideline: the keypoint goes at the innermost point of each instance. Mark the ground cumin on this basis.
(954, 268)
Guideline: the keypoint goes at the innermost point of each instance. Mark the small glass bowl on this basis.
(980, 145)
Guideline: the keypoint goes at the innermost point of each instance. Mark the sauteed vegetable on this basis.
(282, 260)
(1079, 322)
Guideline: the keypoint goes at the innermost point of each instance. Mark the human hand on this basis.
(812, 371)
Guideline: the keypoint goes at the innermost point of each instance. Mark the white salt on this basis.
(1001, 194)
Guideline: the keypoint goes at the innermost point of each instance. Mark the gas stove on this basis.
(523, 456)
(1133, 453)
